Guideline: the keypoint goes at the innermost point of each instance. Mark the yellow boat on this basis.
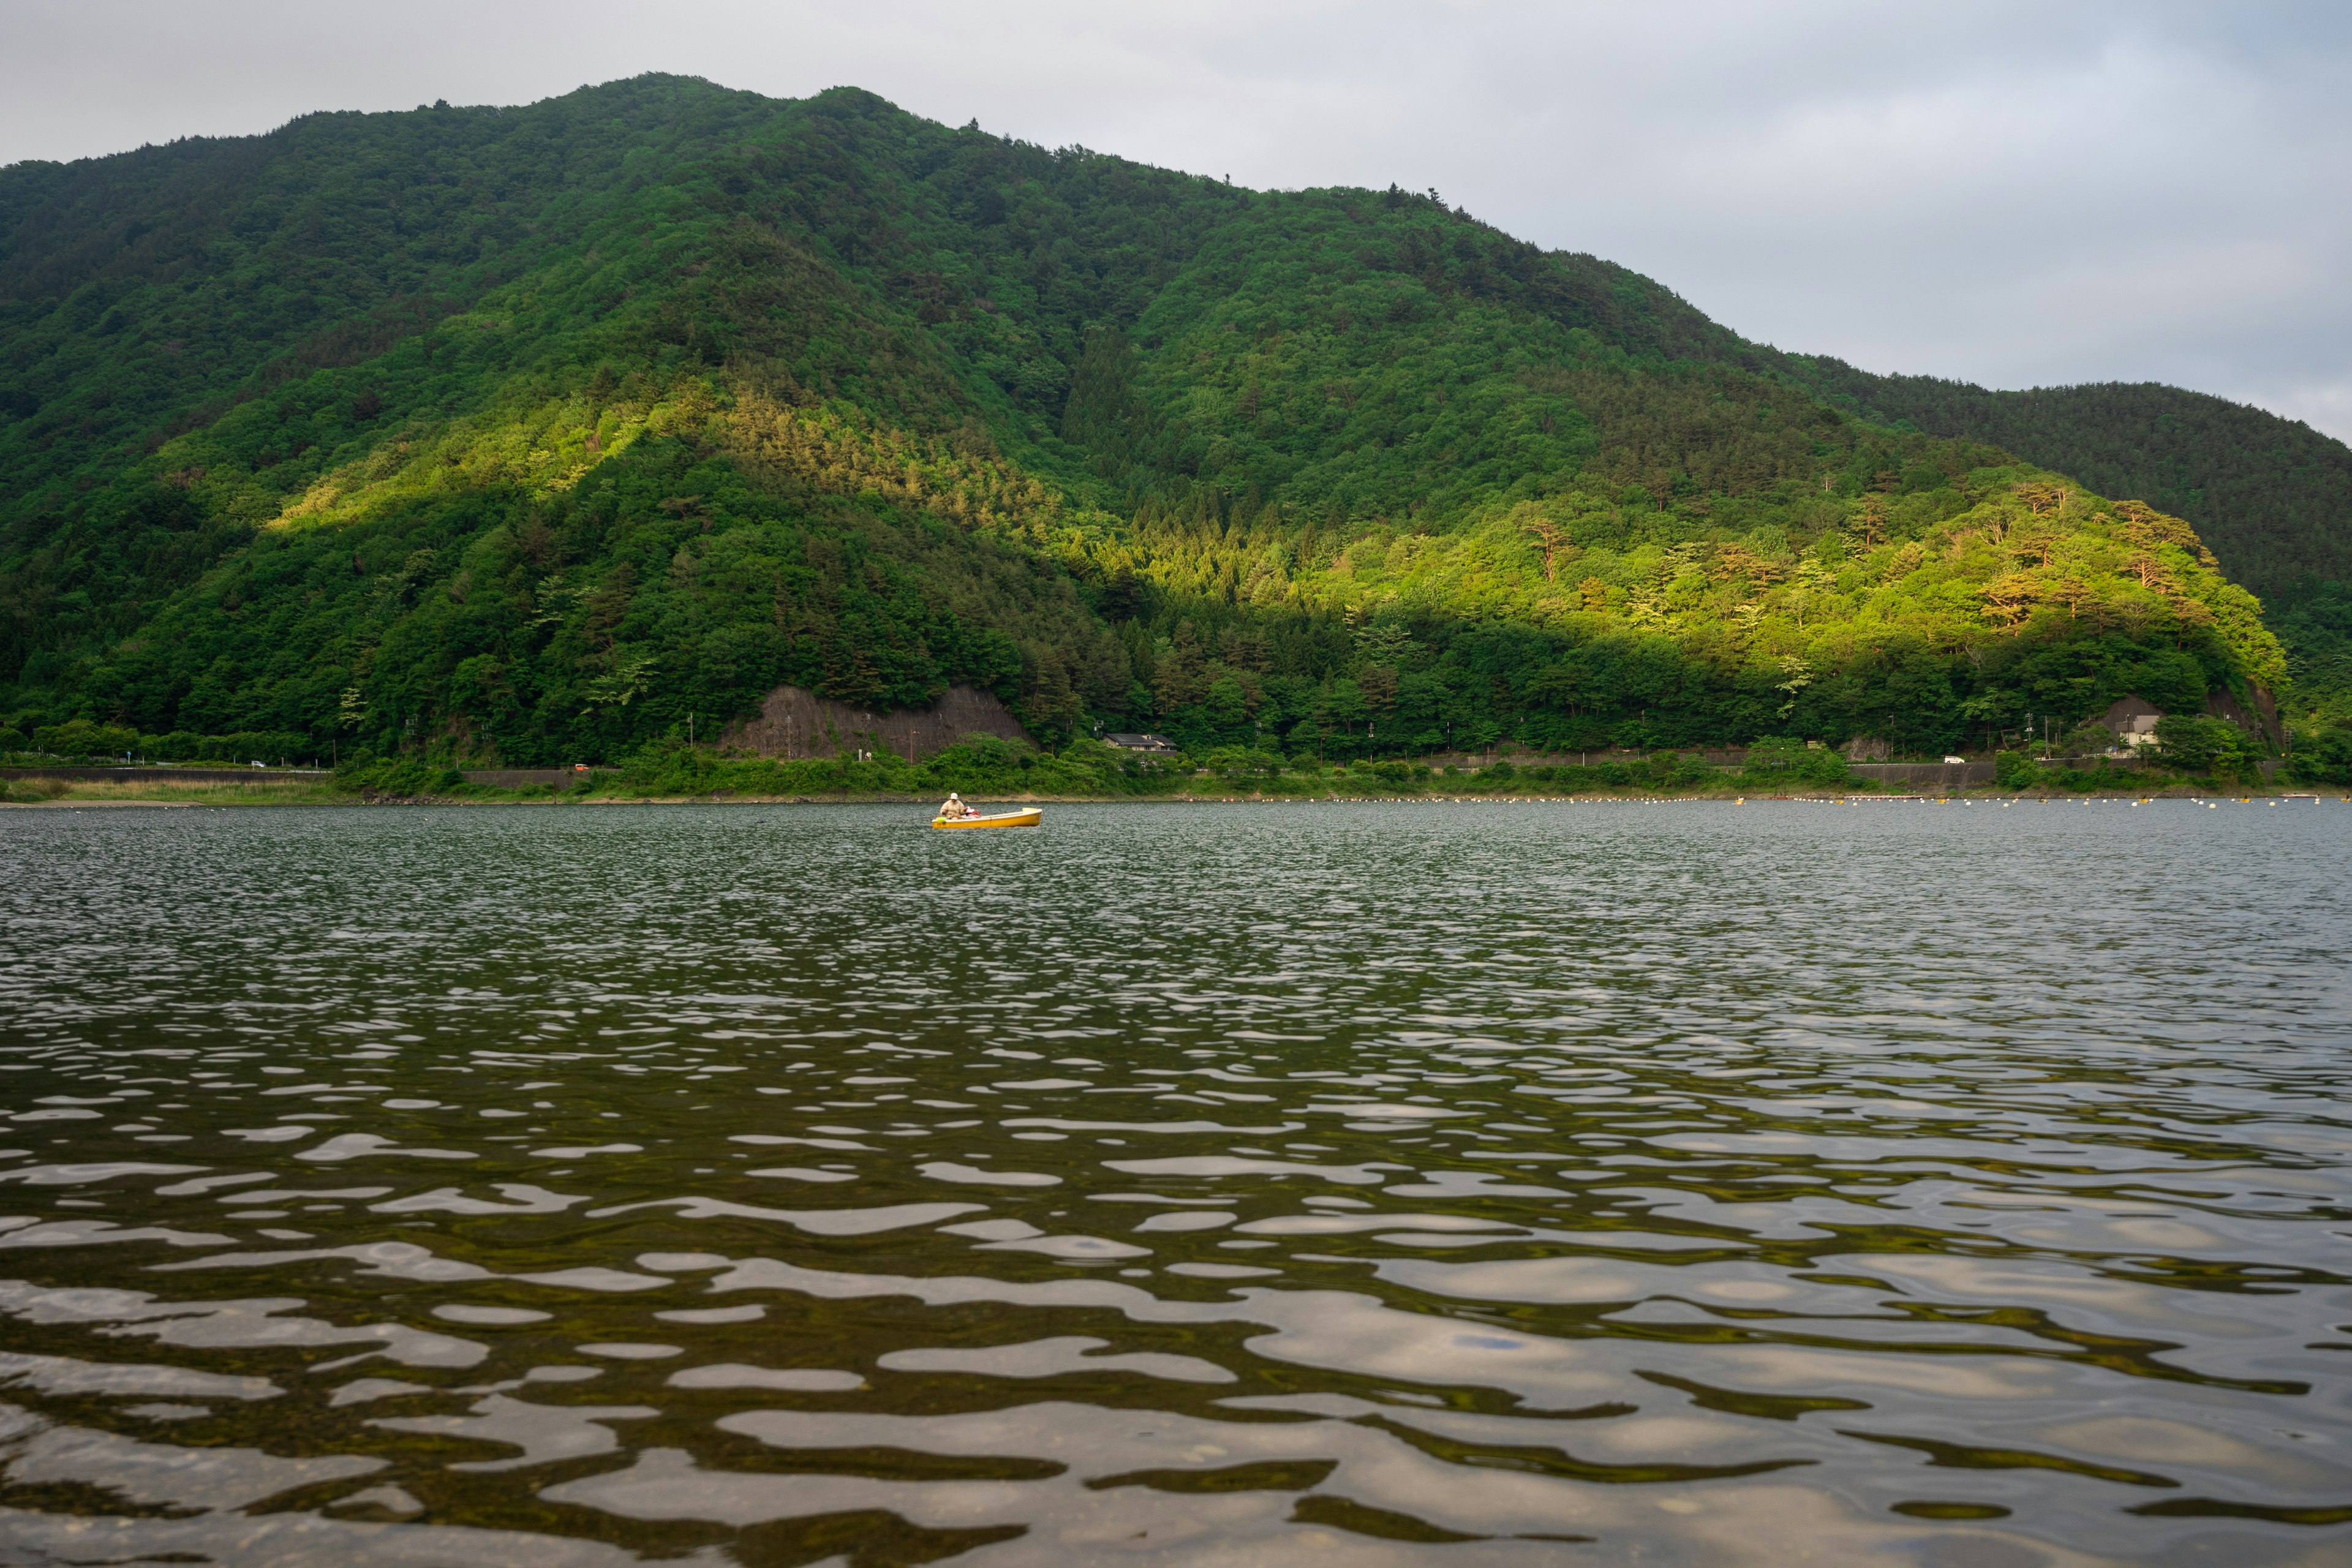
(1028, 816)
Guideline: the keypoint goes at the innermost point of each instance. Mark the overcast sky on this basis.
(2018, 194)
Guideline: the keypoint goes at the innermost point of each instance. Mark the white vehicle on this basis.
(1962, 761)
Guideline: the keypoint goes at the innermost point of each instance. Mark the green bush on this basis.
(1779, 760)
(2015, 770)
(81, 737)
(2088, 739)
(1823, 767)
(243, 746)
(1242, 763)
(2323, 756)
(398, 776)
(2196, 744)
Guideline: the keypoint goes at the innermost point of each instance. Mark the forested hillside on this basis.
(530, 434)
(2272, 496)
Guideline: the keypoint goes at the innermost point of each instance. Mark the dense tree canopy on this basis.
(528, 434)
(2272, 496)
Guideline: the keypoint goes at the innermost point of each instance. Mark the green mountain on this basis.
(2272, 497)
(538, 434)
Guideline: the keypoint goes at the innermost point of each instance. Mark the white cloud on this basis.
(2016, 193)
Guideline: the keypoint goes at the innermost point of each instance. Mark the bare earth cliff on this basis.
(795, 722)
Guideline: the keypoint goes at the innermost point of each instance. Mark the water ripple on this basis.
(1696, 1183)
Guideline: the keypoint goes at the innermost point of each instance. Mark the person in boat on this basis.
(955, 806)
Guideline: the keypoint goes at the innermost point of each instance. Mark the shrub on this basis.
(1779, 760)
(2082, 781)
(2196, 744)
(1242, 762)
(2088, 739)
(1678, 770)
(2323, 756)
(244, 746)
(399, 776)
(254, 746)
(80, 737)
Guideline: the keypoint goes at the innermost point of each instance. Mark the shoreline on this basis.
(307, 794)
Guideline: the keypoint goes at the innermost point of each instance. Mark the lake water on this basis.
(1477, 1182)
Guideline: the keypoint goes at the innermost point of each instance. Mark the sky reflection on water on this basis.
(1419, 1182)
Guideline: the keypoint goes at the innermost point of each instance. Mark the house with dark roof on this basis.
(2132, 722)
(1145, 745)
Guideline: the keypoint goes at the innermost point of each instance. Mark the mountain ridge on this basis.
(633, 404)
